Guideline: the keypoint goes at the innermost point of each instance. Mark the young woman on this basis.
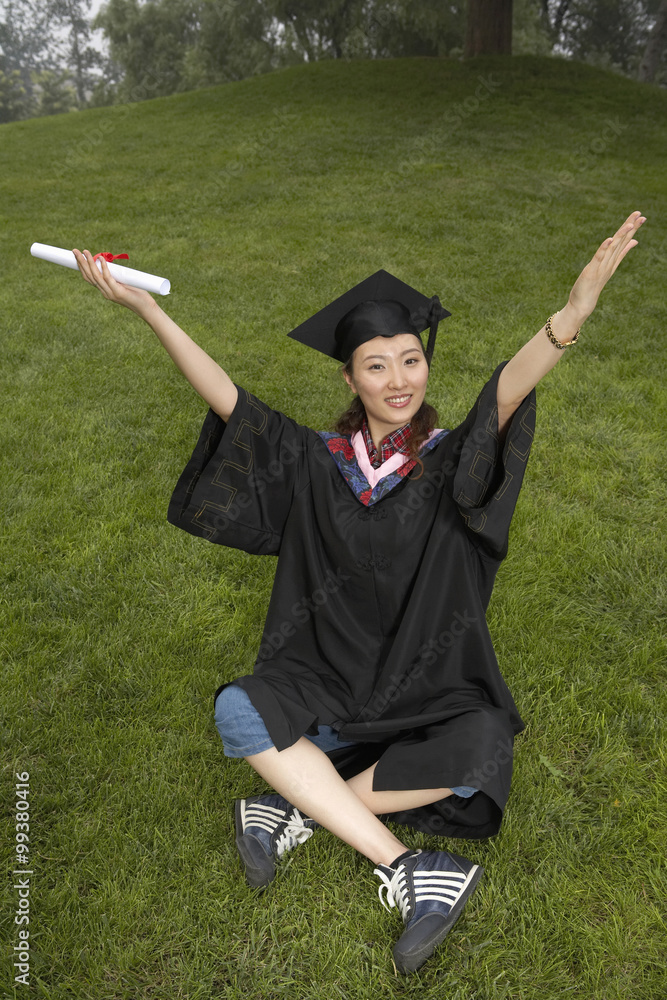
(376, 692)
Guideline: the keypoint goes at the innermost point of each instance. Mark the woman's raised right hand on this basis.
(136, 299)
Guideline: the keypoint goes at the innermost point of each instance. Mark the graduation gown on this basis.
(376, 623)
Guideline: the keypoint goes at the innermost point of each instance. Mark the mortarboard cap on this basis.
(379, 306)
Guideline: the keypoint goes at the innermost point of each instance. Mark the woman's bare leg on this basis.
(304, 775)
(392, 801)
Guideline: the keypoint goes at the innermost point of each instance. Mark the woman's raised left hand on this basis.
(593, 278)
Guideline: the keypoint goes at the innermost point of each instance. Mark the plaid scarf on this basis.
(396, 441)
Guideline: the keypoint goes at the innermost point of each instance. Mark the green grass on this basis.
(262, 201)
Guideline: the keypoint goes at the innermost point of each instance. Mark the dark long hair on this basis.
(421, 425)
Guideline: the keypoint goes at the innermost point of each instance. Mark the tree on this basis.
(423, 28)
(608, 33)
(655, 47)
(319, 27)
(149, 42)
(165, 46)
(159, 47)
(15, 103)
(553, 12)
(235, 40)
(530, 33)
(26, 46)
(369, 29)
(78, 54)
(488, 28)
(42, 73)
(54, 91)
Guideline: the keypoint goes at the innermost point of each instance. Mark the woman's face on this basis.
(390, 376)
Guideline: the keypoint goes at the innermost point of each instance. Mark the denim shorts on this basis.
(243, 731)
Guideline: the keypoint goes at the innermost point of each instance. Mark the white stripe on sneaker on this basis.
(445, 887)
(265, 817)
(469, 878)
(424, 878)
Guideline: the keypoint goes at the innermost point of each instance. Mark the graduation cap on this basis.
(379, 306)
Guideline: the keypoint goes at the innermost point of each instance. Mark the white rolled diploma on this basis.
(138, 279)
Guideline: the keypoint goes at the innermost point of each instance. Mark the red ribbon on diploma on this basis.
(111, 256)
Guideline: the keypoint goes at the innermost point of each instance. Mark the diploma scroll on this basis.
(128, 275)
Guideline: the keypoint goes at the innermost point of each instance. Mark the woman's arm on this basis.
(201, 371)
(539, 355)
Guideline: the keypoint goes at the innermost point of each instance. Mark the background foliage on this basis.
(54, 58)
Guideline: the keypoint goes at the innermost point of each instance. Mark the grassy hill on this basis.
(490, 183)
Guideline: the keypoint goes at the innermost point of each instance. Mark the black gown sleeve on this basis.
(238, 486)
(483, 474)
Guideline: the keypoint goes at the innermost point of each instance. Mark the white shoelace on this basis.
(294, 833)
(395, 891)
(438, 886)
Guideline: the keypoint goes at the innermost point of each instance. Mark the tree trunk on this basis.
(302, 34)
(655, 47)
(78, 69)
(339, 22)
(488, 28)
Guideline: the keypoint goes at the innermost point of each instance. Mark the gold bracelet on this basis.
(555, 341)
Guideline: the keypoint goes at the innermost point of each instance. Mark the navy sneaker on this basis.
(430, 888)
(266, 827)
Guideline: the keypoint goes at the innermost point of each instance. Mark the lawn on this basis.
(490, 183)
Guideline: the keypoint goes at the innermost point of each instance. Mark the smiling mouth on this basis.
(398, 399)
